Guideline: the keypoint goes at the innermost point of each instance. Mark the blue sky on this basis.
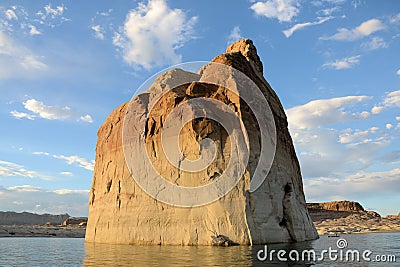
(65, 66)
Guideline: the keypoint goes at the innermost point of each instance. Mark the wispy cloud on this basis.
(152, 34)
(22, 115)
(353, 186)
(81, 162)
(24, 188)
(296, 27)
(10, 14)
(69, 191)
(235, 35)
(364, 29)
(98, 31)
(328, 11)
(391, 99)
(374, 43)
(33, 30)
(344, 63)
(337, 163)
(351, 136)
(321, 112)
(395, 19)
(17, 60)
(73, 159)
(282, 10)
(32, 23)
(86, 118)
(9, 169)
(38, 108)
(48, 112)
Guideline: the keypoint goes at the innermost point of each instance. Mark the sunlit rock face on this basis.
(120, 211)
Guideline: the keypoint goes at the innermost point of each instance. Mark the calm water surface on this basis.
(74, 252)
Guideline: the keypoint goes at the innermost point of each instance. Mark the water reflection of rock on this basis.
(128, 255)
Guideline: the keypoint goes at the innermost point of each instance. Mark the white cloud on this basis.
(24, 188)
(48, 112)
(322, 155)
(398, 72)
(377, 109)
(10, 14)
(67, 173)
(10, 169)
(389, 126)
(398, 118)
(317, 113)
(21, 115)
(395, 19)
(392, 99)
(344, 63)
(41, 153)
(374, 43)
(51, 12)
(152, 33)
(326, 151)
(86, 118)
(33, 30)
(82, 162)
(351, 136)
(34, 199)
(234, 35)
(364, 29)
(283, 10)
(328, 11)
(98, 32)
(16, 60)
(354, 186)
(69, 191)
(289, 32)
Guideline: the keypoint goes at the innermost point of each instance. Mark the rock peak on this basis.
(248, 50)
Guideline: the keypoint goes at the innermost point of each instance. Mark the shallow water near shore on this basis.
(75, 252)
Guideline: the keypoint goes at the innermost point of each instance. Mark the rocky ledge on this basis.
(349, 217)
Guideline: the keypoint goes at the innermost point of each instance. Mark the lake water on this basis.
(74, 252)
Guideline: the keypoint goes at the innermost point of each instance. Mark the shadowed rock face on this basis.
(121, 212)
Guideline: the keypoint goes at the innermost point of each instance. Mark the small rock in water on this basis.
(222, 241)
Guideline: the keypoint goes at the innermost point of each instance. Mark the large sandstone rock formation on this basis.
(121, 212)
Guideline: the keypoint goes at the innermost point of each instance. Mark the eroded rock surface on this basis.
(121, 212)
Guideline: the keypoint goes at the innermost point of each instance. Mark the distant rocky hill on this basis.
(336, 206)
(393, 217)
(349, 217)
(27, 218)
